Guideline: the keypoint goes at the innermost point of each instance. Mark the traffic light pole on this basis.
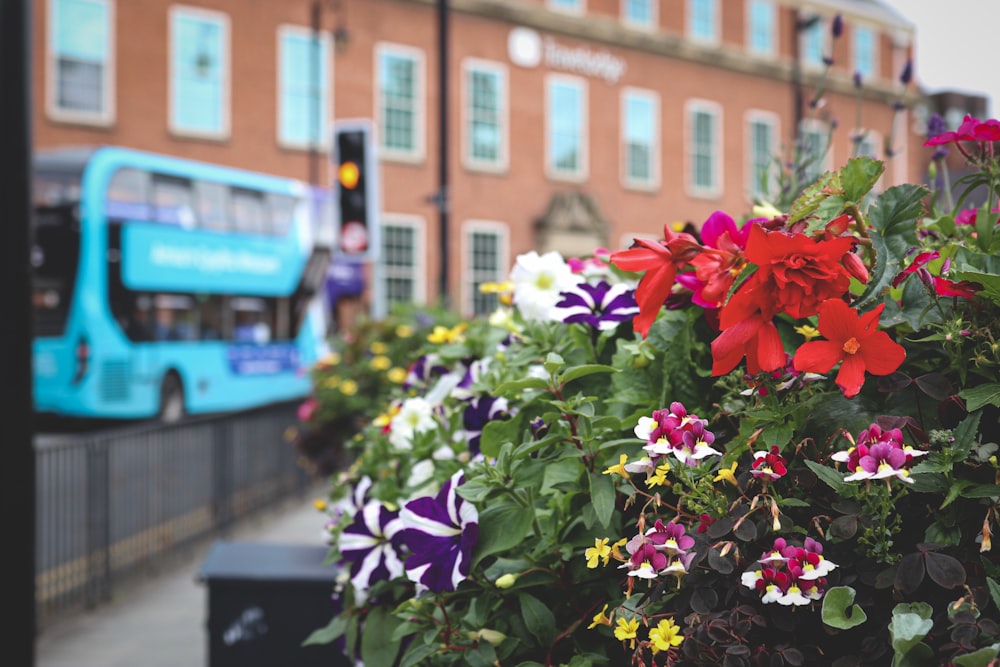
(17, 479)
(443, 195)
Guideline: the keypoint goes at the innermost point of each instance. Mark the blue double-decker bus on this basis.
(164, 286)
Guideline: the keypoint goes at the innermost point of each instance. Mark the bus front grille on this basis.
(115, 376)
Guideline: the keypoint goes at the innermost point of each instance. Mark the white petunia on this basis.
(538, 282)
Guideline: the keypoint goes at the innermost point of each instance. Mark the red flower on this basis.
(971, 129)
(721, 260)
(854, 342)
(746, 331)
(963, 289)
(919, 261)
(797, 272)
(660, 261)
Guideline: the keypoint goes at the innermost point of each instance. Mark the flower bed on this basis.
(771, 443)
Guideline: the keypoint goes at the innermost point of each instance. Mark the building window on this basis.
(639, 13)
(399, 97)
(812, 44)
(704, 149)
(199, 72)
(566, 123)
(866, 144)
(401, 265)
(864, 52)
(486, 262)
(762, 146)
(703, 20)
(80, 55)
(574, 6)
(303, 88)
(640, 138)
(815, 150)
(761, 27)
(485, 120)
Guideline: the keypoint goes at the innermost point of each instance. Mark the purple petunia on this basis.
(369, 544)
(602, 306)
(440, 532)
(478, 412)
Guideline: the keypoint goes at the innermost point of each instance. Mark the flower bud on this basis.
(907, 74)
(837, 27)
(494, 637)
(506, 580)
(855, 267)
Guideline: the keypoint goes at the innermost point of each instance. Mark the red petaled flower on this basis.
(971, 129)
(963, 289)
(660, 260)
(854, 341)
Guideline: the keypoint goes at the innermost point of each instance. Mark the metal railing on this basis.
(119, 503)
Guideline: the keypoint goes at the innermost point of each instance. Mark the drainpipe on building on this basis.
(316, 14)
(442, 198)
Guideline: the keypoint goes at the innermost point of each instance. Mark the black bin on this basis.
(264, 600)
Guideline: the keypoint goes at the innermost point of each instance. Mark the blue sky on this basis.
(956, 45)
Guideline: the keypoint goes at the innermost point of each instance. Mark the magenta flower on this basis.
(662, 549)
(792, 575)
(971, 129)
(769, 465)
(678, 433)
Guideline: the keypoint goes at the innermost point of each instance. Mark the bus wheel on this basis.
(171, 399)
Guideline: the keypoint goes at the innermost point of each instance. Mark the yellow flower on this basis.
(380, 362)
(331, 359)
(677, 226)
(615, 550)
(404, 331)
(620, 468)
(727, 474)
(442, 334)
(807, 331)
(378, 347)
(496, 287)
(600, 619)
(320, 505)
(331, 382)
(600, 551)
(659, 477)
(627, 629)
(348, 387)
(665, 635)
(397, 375)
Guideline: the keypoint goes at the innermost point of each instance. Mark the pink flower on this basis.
(971, 129)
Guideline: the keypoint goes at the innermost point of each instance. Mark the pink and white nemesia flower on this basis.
(791, 575)
(662, 549)
(879, 454)
(677, 433)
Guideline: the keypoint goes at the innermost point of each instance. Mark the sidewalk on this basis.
(162, 622)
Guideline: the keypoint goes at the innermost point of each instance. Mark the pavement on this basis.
(162, 620)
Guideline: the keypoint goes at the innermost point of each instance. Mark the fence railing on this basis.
(115, 504)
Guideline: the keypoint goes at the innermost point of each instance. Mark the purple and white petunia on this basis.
(602, 306)
(370, 543)
(478, 412)
(440, 533)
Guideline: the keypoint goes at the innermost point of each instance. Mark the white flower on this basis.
(538, 281)
(415, 416)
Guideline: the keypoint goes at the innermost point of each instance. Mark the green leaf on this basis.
(982, 491)
(497, 433)
(602, 496)
(965, 434)
(833, 479)
(417, 653)
(893, 216)
(859, 176)
(994, 587)
(538, 618)
(333, 630)
(586, 369)
(836, 603)
(559, 474)
(977, 397)
(501, 526)
(515, 387)
(910, 624)
(377, 647)
(981, 658)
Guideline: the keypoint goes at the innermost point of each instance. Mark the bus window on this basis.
(174, 318)
(282, 210)
(211, 310)
(213, 204)
(249, 214)
(172, 200)
(138, 323)
(128, 195)
(252, 320)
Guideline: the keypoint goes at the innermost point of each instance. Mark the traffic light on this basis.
(356, 186)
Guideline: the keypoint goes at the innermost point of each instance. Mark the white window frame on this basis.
(822, 28)
(855, 51)
(818, 126)
(106, 116)
(579, 6)
(418, 152)
(772, 50)
(225, 67)
(716, 35)
(581, 173)
(653, 183)
(651, 24)
(419, 268)
(715, 190)
(752, 117)
(470, 161)
(326, 88)
(502, 232)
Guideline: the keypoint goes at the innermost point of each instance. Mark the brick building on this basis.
(571, 124)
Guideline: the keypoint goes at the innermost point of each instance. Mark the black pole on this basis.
(315, 19)
(443, 158)
(797, 101)
(17, 479)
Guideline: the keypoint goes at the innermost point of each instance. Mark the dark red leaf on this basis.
(944, 570)
(910, 573)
